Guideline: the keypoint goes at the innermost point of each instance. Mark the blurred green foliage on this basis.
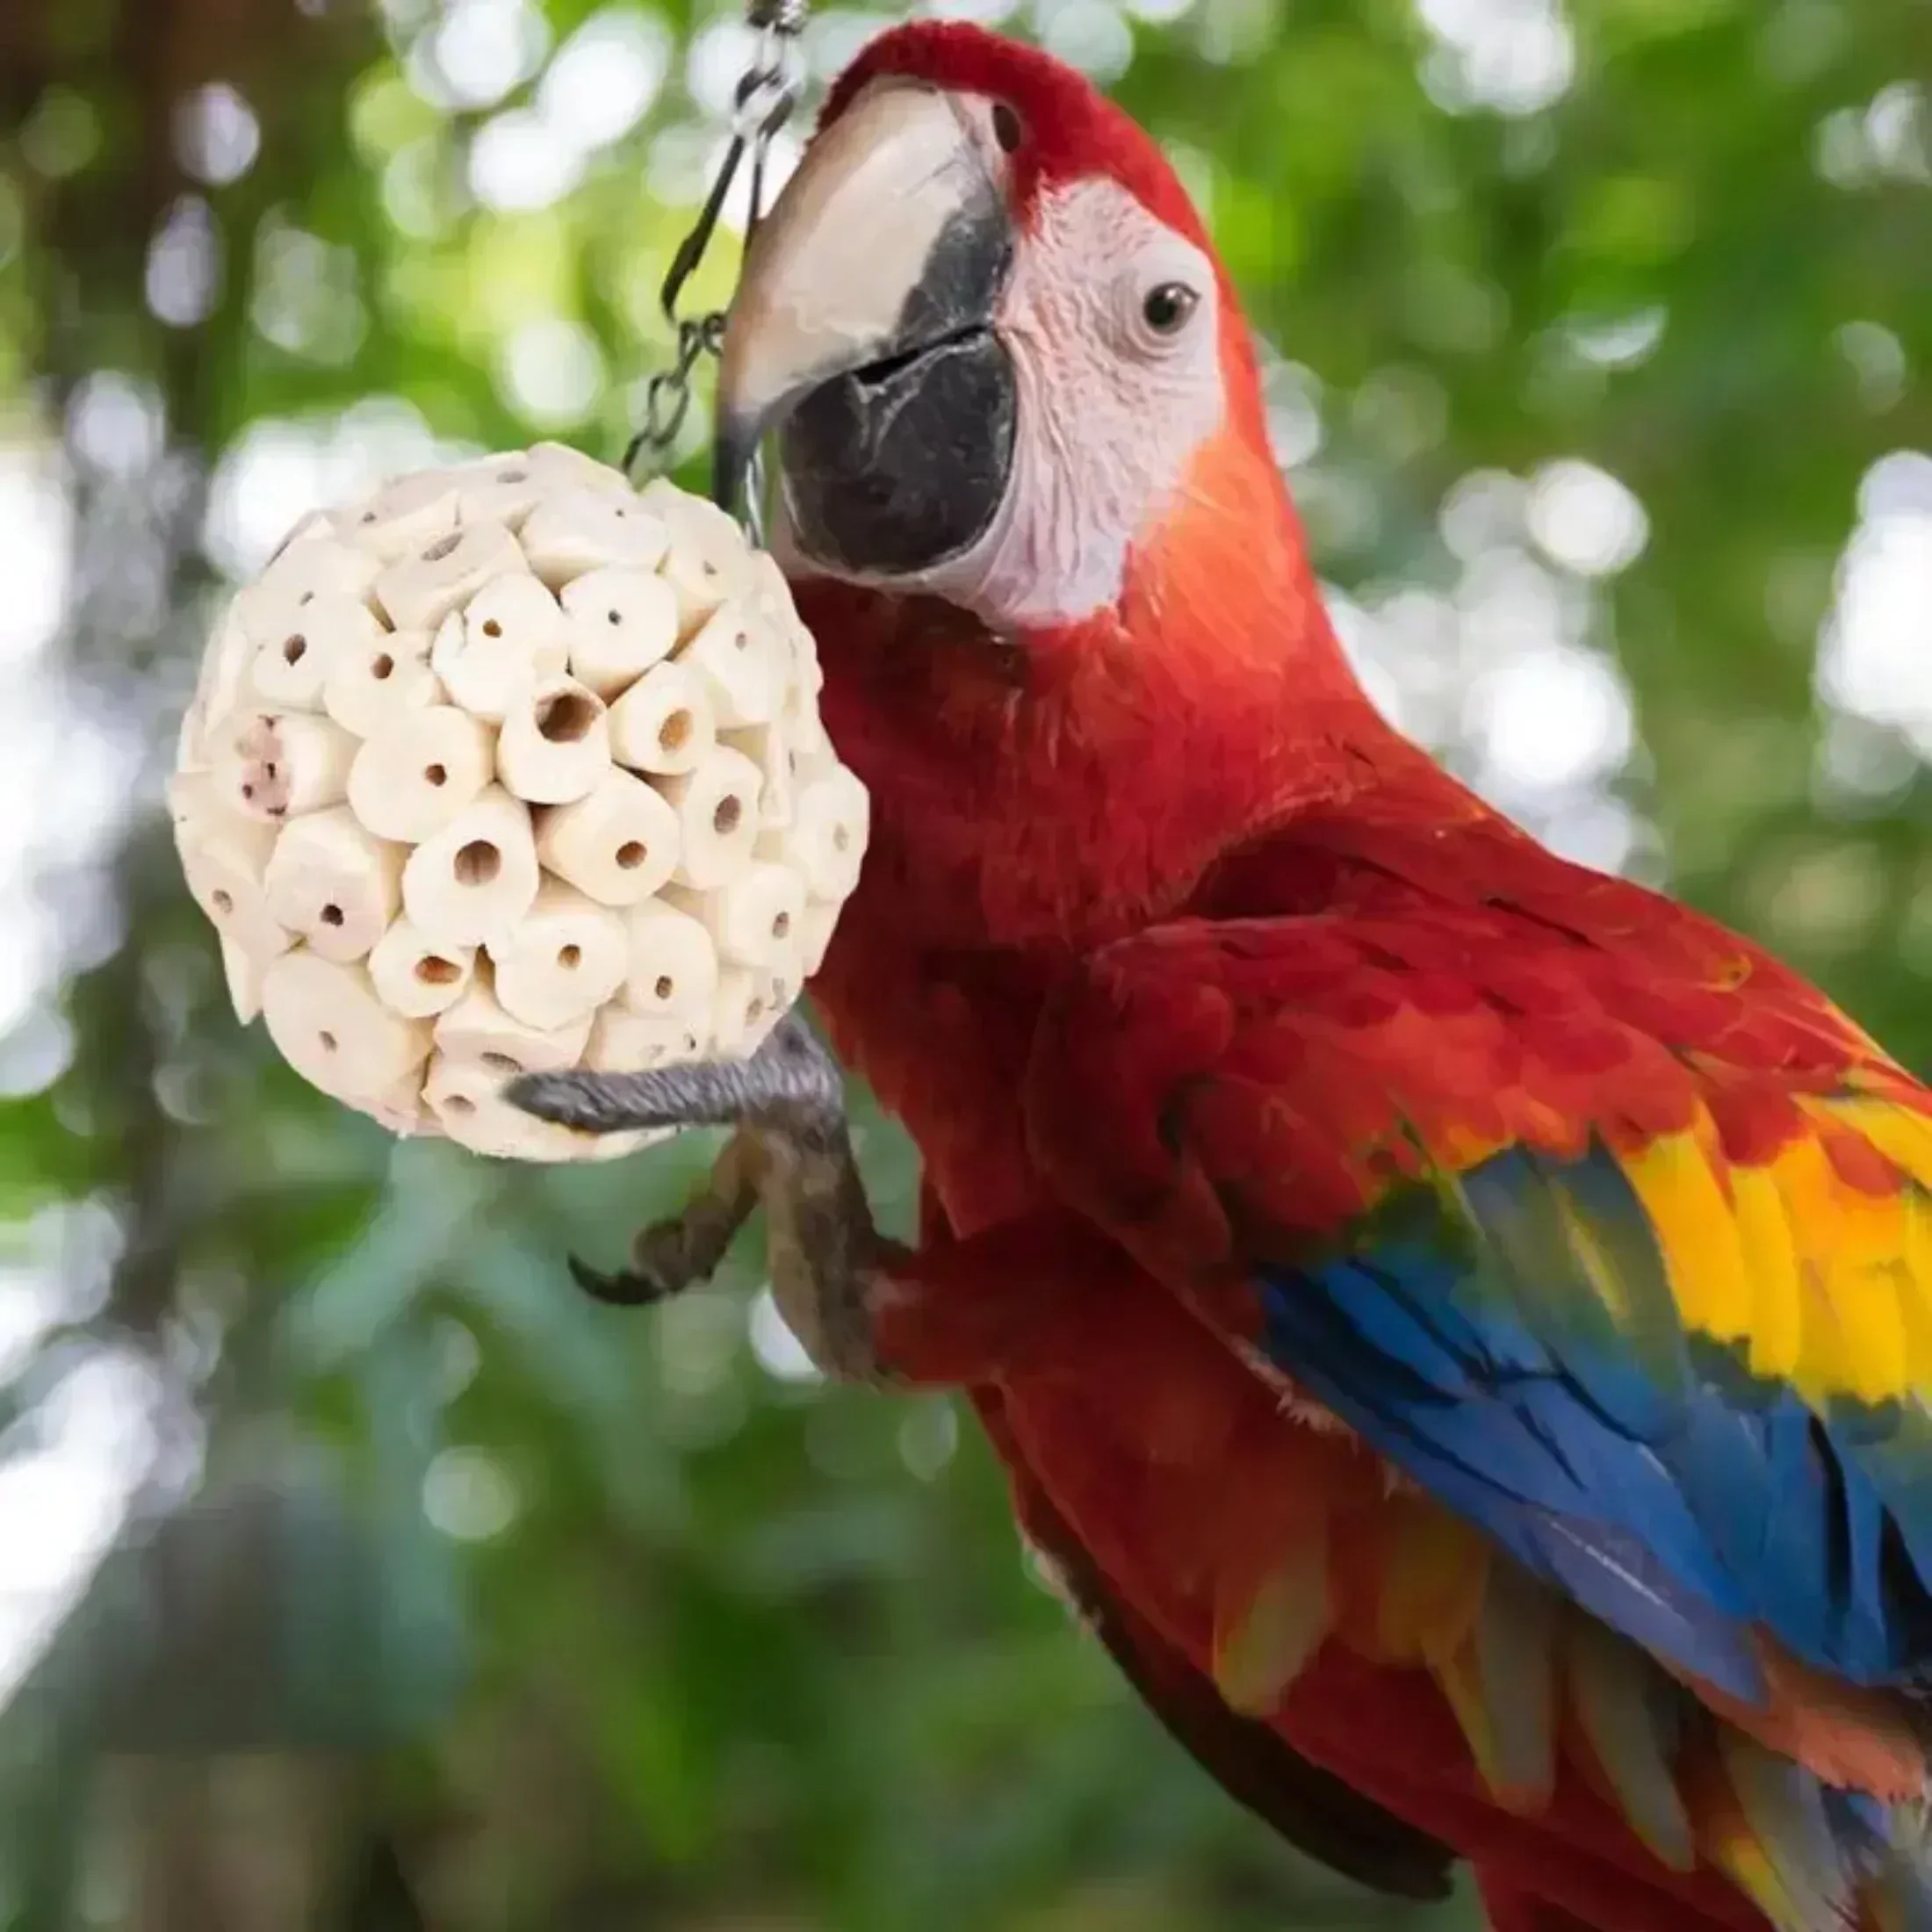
(1594, 332)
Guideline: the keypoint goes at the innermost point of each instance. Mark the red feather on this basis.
(1504, 994)
(1168, 949)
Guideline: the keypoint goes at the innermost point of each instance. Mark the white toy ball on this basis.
(506, 768)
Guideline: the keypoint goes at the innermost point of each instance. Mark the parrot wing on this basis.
(1619, 1250)
(1650, 1301)
(1622, 1255)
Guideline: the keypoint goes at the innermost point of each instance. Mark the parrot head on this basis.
(986, 323)
(1027, 500)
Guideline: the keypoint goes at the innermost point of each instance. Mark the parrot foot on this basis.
(791, 1155)
(669, 1257)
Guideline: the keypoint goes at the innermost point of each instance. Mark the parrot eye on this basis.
(1006, 128)
(1166, 309)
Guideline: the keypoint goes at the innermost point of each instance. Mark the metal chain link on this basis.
(766, 95)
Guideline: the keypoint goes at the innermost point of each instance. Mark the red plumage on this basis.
(1180, 965)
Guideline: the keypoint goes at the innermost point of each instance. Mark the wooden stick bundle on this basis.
(505, 768)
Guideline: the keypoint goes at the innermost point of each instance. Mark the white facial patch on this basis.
(1112, 408)
(1115, 395)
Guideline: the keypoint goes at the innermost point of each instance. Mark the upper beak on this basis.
(890, 237)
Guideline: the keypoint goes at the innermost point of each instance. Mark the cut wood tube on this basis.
(696, 520)
(223, 858)
(771, 598)
(717, 818)
(511, 634)
(562, 961)
(223, 677)
(520, 612)
(192, 749)
(701, 583)
(327, 1023)
(672, 972)
(505, 489)
(304, 642)
(621, 623)
(831, 817)
(477, 1029)
(313, 527)
(768, 747)
(622, 1042)
(244, 972)
(783, 990)
(808, 679)
(501, 489)
(770, 594)
(418, 770)
(465, 1097)
(618, 843)
(487, 673)
(402, 1110)
(416, 976)
(279, 764)
(371, 685)
(744, 1008)
(477, 878)
(335, 883)
(742, 663)
(663, 724)
(816, 927)
(555, 743)
(404, 517)
(194, 796)
(556, 465)
(419, 591)
(468, 1104)
(752, 919)
(708, 561)
(578, 529)
(804, 730)
(318, 565)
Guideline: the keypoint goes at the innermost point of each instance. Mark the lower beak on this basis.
(862, 331)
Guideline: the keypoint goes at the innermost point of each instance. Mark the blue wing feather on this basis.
(1588, 1515)
(1669, 1495)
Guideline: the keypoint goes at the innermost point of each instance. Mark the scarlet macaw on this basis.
(1462, 1324)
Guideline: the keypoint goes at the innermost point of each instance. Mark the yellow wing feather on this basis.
(1703, 1258)
(1822, 1282)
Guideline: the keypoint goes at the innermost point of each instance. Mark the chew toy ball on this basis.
(508, 767)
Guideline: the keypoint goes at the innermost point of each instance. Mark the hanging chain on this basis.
(766, 95)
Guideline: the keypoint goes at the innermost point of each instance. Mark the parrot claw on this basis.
(792, 1156)
(624, 1289)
